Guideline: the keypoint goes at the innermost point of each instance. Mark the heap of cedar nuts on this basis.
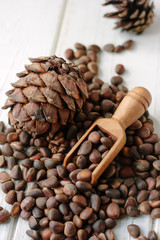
(61, 203)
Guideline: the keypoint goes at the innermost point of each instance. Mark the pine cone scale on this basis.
(123, 14)
(134, 14)
(19, 114)
(51, 80)
(9, 103)
(31, 108)
(23, 116)
(64, 115)
(34, 79)
(52, 97)
(79, 103)
(142, 15)
(111, 2)
(127, 26)
(29, 126)
(20, 83)
(22, 74)
(39, 59)
(50, 112)
(69, 101)
(41, 127)
(35, 67)
(17, 96)
(70, 87)
(83, 89)
(114, 14)
(11, 120)
(33, 93)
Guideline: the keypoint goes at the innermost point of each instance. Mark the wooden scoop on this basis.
(132, 107)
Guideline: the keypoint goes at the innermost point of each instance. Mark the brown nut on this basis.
(4, 216)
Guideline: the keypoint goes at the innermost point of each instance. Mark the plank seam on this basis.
(62, 14)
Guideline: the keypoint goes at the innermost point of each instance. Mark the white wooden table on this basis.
(45, 27)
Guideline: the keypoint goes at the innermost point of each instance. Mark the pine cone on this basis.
(46, 96)
(135, 15)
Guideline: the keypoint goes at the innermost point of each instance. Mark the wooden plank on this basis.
(27, 29)
(83, 22)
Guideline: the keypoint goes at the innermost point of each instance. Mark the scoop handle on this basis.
(132, 107)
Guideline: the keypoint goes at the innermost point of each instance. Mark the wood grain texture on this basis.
(27, 29)
(42, 27)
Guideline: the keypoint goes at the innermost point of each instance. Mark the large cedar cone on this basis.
(46, 96)
(135, 15)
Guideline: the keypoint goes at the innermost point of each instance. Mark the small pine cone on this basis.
(134, 15)
(46, 96)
